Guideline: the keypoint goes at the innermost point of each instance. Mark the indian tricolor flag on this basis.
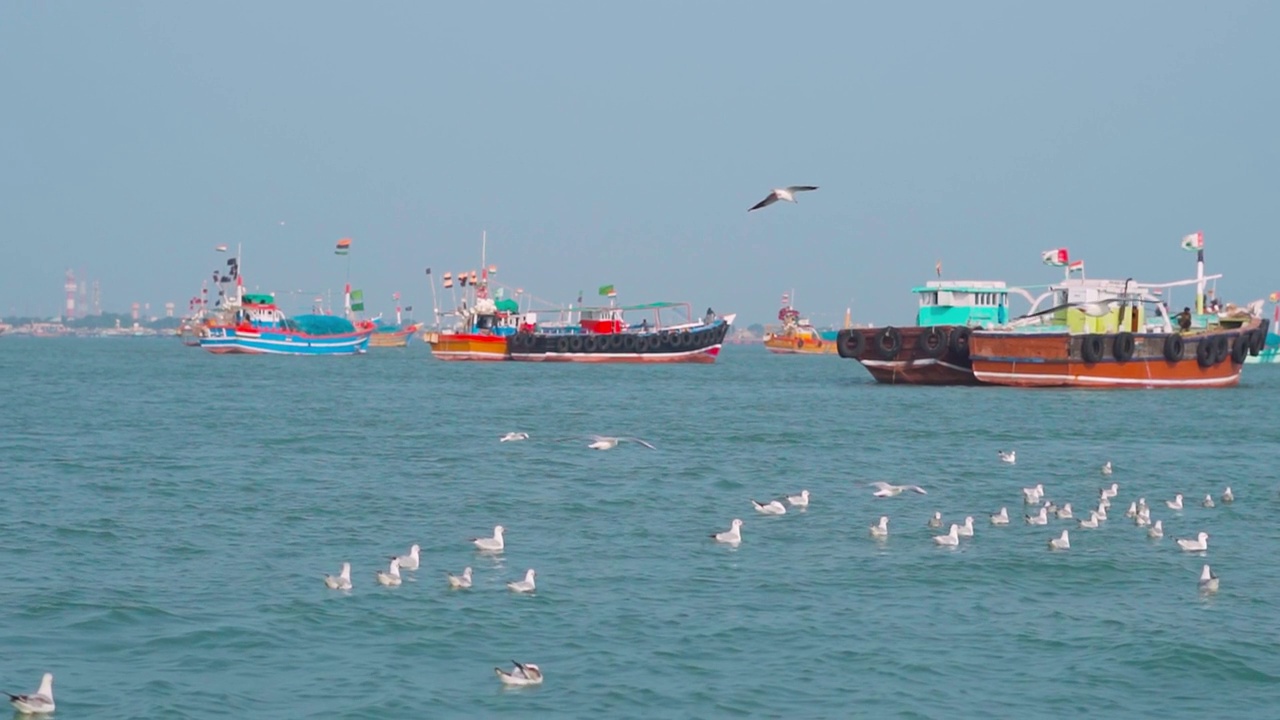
(344, 247)
(1193, 242)
(1057, 257)
(1077, 266)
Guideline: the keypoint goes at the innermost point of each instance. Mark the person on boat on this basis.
(644, 325)
(1184, 319)
(711, 316)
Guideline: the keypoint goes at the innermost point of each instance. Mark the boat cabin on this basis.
(601, 320)
(972, 303)
(1121, 301)
(258, 310)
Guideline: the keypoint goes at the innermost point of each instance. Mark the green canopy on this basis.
(508, 305)
(257, 299)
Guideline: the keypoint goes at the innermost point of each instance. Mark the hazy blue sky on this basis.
(616, 142)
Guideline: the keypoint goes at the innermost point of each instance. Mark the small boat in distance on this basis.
(797, 335)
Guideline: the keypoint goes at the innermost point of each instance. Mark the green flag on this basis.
(607, 290)
(357, 300)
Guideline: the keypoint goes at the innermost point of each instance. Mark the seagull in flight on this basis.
(884, 489)
(604, 442)
(514, 437)
(787, 193)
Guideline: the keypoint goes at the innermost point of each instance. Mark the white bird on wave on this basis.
(491, 544)
(460, 582)
(341, 581)
(1000, 518)
(1032, 495)
(1064, 512)
(787, 194)
(951, 538)
(1010, 457)
(1175, 503)
(936, 520)
(1060, 543)
(800, 501)
(1199, 544)
(1106, 468)
(1040, 518)
(607, 442)
(390, 578)
(966, 530)
(773, 507)
(1091, 523)
(1132, 511)
(527, 585)
(1208, 501)
(38, 702)
(1208, 581)
(410, 561)
(1227, 497)
(732, 536)
(881, 528)
(514, 436)
(1156, 530)
(1142, 519)
(884, 489)
(520, 675)
(1101, 512)
(1109, 492)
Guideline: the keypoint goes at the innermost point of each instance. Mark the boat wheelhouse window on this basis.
(484, 322)
(929, 298)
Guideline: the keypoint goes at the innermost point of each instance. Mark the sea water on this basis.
(169, 515)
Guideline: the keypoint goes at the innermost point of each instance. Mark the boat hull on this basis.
(1060, 359)
(800, 346)
(914, 355)
(467, 346)
(232, 341)
(399, 338)
(684, 345)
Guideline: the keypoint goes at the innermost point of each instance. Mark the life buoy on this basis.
(1173, 347)
(1240, 349)
(960, 342)
(1206, 352)
(888, 342)
(932, 342)
(1092, 347)
(850, 343)
(562, 345)
(1123, 346)
(575, 343)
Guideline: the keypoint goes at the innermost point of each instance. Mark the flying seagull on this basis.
(787, 193)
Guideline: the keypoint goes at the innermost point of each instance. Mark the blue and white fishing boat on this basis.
(259, 327)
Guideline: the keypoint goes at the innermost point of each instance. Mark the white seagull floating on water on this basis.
(800, 501)
(390, 578)
(881, 528)
(787, 193)
(1208, 581)
(462, 581)
(1208, 501)
(1227, 496)
(521, 674)
(1106, 468)
(1064, 512)
(491, 544)
(1000, 518)
(1175, 503)
(1109, 492)
(526, 585)
(773, 507)
(936, 520)
(1010, 457)
(732, 536)
(1092, 522)
(511, 436)
(40, 701)
(342, 581)
(605, 442)
(1032, 495)
(410, 561)
(1156, 530)
(951, 538)
(966, 530)
(1060, 543)
(884, 489)
(1200, 543)
(1040, 518)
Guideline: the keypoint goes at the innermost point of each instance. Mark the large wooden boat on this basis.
(259, 327)
(934, 351)
(608, 335)
(1099, 334)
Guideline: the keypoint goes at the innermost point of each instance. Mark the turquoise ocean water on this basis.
(169, 516)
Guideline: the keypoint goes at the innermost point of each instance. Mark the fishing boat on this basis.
(1099, 333)
(797, 335)
(612, 334)
(259, 327)
(1269, 352)
(481, 332)
(935, 350)
(387, 334)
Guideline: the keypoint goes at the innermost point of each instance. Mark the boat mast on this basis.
(1200, 281)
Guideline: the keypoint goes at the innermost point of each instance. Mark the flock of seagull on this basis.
(1035, 496)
